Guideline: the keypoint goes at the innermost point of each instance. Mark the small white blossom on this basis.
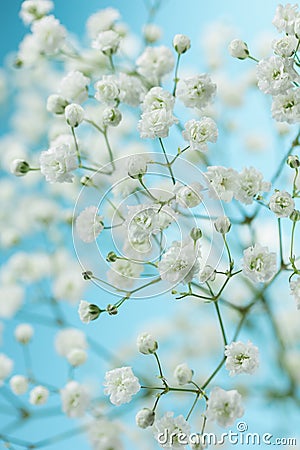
(275, 75)
(250, 183)
(207, 274)
(104, 434)
(188, 196)
(145, 418)
(88, 311)
(181, 43)
(285, 17)
(238, 49)
(295, 290)
(49, 34)
(77, 357)
(224, 407)
(171, 427)
(241, 358)
(156, 124)
(155, 62)
(68, 340)
(286, 107)
(285, 46)
(199, 132)
(123, 273)
(32, 10)
(259, 264)
(107, 90)
(282, 204)
(57, 164)
(222, 224)
(223, 182)
(137, 165)
(6, 367)
(89, 224)
(107, 42)
(24, 333)
(131, 89)
(56, 104)
(146, 344)
(111, 117)
(38, 395)
(75, 399)
(121, 384)
(19, 167)
(74, 114)
(152, 33)
(74, 87)
(197, 91)
(11, 299)
(18, 384)
(183, 374)
(102, 20)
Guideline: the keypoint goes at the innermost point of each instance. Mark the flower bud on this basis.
(145, 418)
(137, 166)
(112, 310)
(111, 257)
(107, 42)
(238, 49)
(88, 275)
(181, 43)
(74, 114)
(19, 167)
(183, 374)
(56, 104)
(86, 181)
(196, 233)
(23, 333)
(87, 311)
(38, 395)
(293, 161)
(222, 225)
(207, 274)
(18, 384)
(77, 357)
(295, 215)
(146, 344)
(111, 117)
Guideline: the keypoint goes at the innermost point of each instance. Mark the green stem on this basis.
(76, 146)
(176, 79)
(221, 322)
(167, 161)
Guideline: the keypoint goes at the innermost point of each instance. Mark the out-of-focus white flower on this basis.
(152, 33)
(238, 49)
(56, 104)
(105, 434)
(199, 132)
(241, 358)
(222, 224)
(154, 63)
(197, 91)
(74, 87)
(171, 427)
(75, 399)
(189, 196)
(121, 384)
(224, 407)
(49, 34)
(183, 374)
(38, 395)
(250, 183)
(145, 418)
(131, 89)
(11, 299)
(207, 274)
(74, 114)
(107, 42)
(57, 164)
(69, 339)
(24, 333)
(282, 204)
(101, 21)
(6, 367)
(137, 165)
(146, 344)
(88, 311)
(295, 290)
(285, 16)
(107, 90)
(67, 286)
(259, 264)
(123, 273)
(181, 43)
(77, 357)
(18, 384)
(32, 10)
(89, 224)
(223, 182)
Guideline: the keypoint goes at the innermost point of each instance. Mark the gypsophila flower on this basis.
(146, 344)
(137, 165)
(249, 184)
(222, 224)
(123, 273)
(188, 196)
(207, 274)
(18, 384)
(69, 339)
(145, 418)
(282, 204)
(11, 299)
(197, 91)
(295, 290)
(102, 20)
(19, 167)
(285, 17)
(152, 33)
(6, 367)
(275, 75)
(74, 114)
(24, 333)
(56, 104)
(131, 89)
(107, 90)
(77, 357)
(89, 224)
(156, 124)
(111, 117)
(259, 265)
(75, 399)
(238, 49)
(49, 34)
(104, 434)
(285, 46)
(286, 107)
(224, 407)
(199, 132)
(74, 87)
(32, 10)
(183, 374)
(121, 384)
(57, 164)
(38, 395)
(154, 63)
(88, 311)
(107, 42)
(181, 43)
(241, 358)
(223, 182)
(171, 426)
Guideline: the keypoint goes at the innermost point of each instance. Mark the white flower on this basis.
(68, 340)
(6, 367)
(57, 164)
(89, 224)
(238, 49)
(158, 98)
(249, 184)
(131, 89)
(222, 224)
(77, 357)
(199, 132)
(285, 17)
(181, 43)
(207, 274)
(169, 431)
(224, 407)
(74, 87)
(180, 263)
(197, 91)
(241, 358)
(259, 265)
(49, 34)
(75, 399)
(102, 20)
(137, 165)
(107, 42)
(295, 290)
(223, 182)
(123, 273)
(282, 204)
(19, 167)
(74, 114)
(68, 287)
(188, 196)
(107, 90)
(285, 46)
(275, 75)
(34, 10)
(156, 123)
(146, 344)
(154, 63)
(152, 33)
(183, 374)
(286, 107)
(18, 384)
(56, 104)
(111, 117)
(87, 311)
(11, 299)
(38, 395)
(104, 434)
(24, 333)
(145, 418)
(121, 384)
